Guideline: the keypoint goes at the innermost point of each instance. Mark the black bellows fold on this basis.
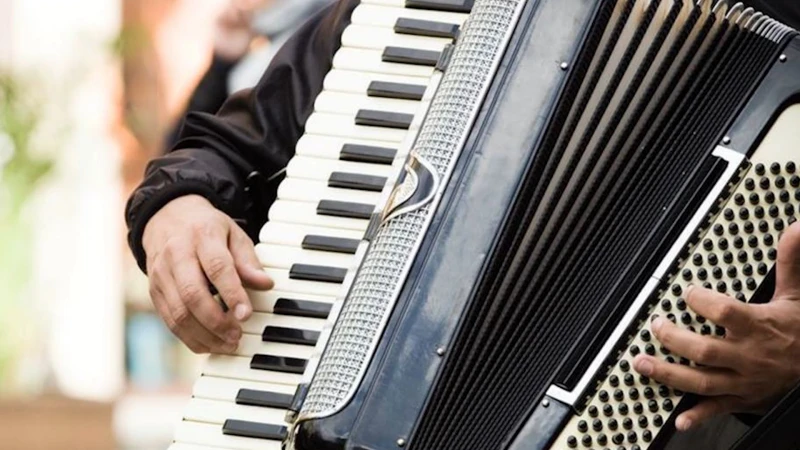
(627, 149)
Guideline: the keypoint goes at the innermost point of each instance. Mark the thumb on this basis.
(246, 261)
(704, 410)
(787, 267)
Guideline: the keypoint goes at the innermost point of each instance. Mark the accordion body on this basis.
(574, 167)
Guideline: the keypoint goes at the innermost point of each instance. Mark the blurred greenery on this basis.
(20, 173)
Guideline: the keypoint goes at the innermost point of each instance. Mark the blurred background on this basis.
(90, 90)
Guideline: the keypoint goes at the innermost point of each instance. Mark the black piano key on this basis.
(330, 244)
(350, 210)
(463, 6)
(289, 335)
(413, 56)
(429, 28)
(386, 119)
(254, 430)
(358, 181)
(278, 363)
(251, 397)
(308, 272)
(301, 308)
(404, 91)
(367, 154)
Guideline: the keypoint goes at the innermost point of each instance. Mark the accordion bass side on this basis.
(580, 164)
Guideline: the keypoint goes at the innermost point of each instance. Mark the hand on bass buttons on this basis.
(756, 363)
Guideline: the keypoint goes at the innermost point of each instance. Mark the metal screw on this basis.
(545, 403)
(440, 351)
(401, 442)
(782, 58)
(564, 65)
(726, 140)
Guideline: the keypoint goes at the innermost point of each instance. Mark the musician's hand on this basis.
(189, 242)
(758, 361)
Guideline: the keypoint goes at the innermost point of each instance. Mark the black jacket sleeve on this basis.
(234, 158)
(209, 95)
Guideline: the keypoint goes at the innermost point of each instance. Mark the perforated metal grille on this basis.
(371, 298)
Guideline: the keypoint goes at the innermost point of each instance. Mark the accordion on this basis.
(489, 203)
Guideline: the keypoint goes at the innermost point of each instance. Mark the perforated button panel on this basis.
(733, 255)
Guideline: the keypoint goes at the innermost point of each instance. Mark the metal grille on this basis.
(382, 273)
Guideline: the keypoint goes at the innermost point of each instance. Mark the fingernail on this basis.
(241, 311)
(229, 348)
(233, 336)
(657, 324)
(689, 289)
(644, 367)
(683, 424)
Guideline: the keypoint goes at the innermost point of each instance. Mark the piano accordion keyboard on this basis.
(733, 255)
(352, 149)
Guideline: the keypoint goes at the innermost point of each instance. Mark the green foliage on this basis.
(19, 118)
(20, 173)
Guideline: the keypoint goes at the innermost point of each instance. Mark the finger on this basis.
(720, 309)
(787, 267)
(705, 350)
(706, 409)
(696, 380)
(184, 326)
(217, 262)
(193, 292)
(247, 264)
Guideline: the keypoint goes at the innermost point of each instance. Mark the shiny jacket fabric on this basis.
(235, 158)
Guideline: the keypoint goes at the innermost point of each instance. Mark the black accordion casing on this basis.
(570, 191)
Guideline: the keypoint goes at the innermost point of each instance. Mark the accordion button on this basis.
(769, 197)
(775, 168)
(583, 426)
(618, 438)
(613, 424)
(572, 442)
(749, 184)
(602, 439)
(633, 394)
(794, 181)
(780, 182)
(790, 167)
(632, 437)
(597, 425)
(657, 420)
(638, 408)
(760, 169)
(647, 435)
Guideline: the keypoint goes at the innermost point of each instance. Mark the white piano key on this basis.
(283, 257)
(342, 125)
(259, 320)
(321, 169)
(293, 235)
(284, 283)
(216, 388)
(305, 213)
(251, 344)
(395, 3)
(358, 82)
(264, 301)
(216, 411)
(366, 60)
(350, 104)
(378, 38)
(382, 15)
(189, 432)
(301, 190)
(238, 367)
(330, 147)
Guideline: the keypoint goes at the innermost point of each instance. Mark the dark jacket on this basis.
(235, 158)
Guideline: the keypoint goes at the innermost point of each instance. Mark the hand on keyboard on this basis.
(755, 364)
(188, 243)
